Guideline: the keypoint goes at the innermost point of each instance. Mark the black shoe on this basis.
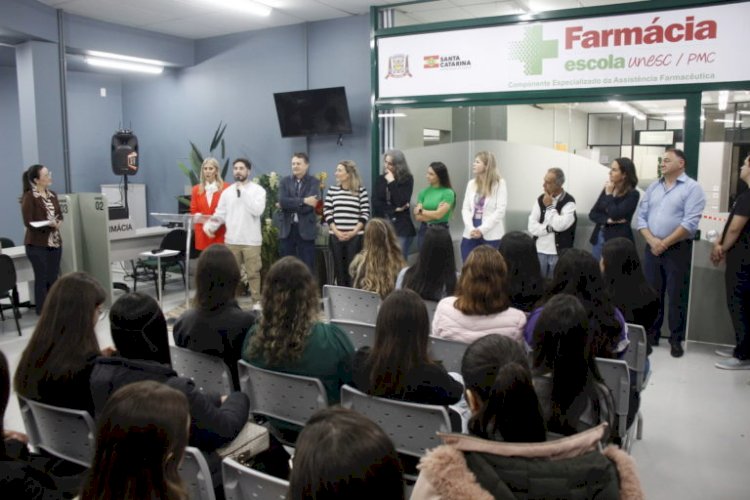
(653, 339)
(677, 351)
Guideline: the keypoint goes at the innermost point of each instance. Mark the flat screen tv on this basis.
(313, 112)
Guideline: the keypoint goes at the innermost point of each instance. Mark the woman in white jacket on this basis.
(484, 205)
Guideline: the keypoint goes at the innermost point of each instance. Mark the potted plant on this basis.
(193, 172)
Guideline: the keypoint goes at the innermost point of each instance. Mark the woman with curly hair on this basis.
(481, 305)
(290, 337)
(376, 267)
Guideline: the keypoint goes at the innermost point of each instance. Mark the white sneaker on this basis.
(725, 352)
(734, 364)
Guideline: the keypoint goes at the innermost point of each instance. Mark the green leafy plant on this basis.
(193, 172)
(270, 246)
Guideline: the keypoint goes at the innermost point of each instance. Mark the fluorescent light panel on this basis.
(247, 6)
(120, 57)
(124, 65)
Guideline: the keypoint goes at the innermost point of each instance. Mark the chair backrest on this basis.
(6, 243)
(7, 274)
(196, 475)
(431, 306)
(449, 352)
(242, 482)
(209, 373)
(636, 353)
(62, 432)
(284, 396)
(617, 379)
(351, 304)
(361, 334)
(176, 239)
(412, 427)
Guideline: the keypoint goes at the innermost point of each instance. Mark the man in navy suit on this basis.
(297, 222)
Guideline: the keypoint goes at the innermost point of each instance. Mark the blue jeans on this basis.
(547, 263)
(405, 242)
(596, 250)
(295, 246)
(669, 274)
(45, 261)
(469, 244)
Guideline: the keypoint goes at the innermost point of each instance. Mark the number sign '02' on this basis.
(695, 45)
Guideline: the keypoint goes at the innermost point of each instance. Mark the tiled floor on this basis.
(696, 440)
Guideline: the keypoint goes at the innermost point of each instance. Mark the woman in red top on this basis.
(205, 198)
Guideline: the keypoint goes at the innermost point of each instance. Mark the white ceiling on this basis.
(195, 19)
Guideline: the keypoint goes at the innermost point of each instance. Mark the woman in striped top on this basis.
(346, 211)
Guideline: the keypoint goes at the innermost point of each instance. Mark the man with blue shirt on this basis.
(668, 218)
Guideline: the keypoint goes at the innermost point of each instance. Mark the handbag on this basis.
(251, 440)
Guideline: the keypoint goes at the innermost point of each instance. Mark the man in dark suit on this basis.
(297, 222)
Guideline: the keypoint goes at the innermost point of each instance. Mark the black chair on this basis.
(8, 243)
(8, 286)
(146, 269)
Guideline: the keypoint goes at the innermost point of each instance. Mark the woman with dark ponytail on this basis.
(42, 217)
(506, 455)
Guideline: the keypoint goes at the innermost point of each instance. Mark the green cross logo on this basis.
(533, 50)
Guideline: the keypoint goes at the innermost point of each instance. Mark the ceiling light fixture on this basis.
(247, 6)
(391, 115)
(120, 57)
(124, 65)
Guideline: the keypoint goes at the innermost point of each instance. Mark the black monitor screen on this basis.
(313, 112)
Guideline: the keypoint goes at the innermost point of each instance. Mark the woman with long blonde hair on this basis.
(204, 198)
(376, 267)
(484, 205)
(290, 337)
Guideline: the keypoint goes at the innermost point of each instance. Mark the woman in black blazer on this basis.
(393, 192)
(614, 209)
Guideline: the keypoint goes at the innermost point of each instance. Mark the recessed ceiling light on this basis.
(248, 6)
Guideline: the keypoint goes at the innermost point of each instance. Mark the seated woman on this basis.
(571, 391)
(433, 275)
(140, 441)
(399, 366)
(289, 337)
(376, 267)
(215, 325)
(488, 463)
(56, 365)
(342, 454)
(18, 477)
(139, 331)
(481, 305)
(626, 284)
(524, 273)
(577, 273)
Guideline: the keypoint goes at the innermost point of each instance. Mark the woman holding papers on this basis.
(203, 201)
(42, 217)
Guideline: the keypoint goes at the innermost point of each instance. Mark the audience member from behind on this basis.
(139, 331)
(524, 273)
(578, 274)
(341, 454)
(55, 366)
(489, 464)
(433, 275)
(215, 325)
(399, 365)
(18, 478)
(289, 337)
(481, 305)
(376, 267)
(552, 221)
(614, 209)
(140, 442)
(627, 284)
(571, 390)
(393, 191)
(483, 211)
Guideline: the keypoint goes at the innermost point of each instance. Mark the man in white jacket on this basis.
(240, 208)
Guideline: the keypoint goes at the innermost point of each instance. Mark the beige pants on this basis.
(249, 259)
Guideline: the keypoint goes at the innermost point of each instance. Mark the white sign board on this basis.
(695, 45)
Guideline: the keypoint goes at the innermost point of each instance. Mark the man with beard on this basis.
(240, 208)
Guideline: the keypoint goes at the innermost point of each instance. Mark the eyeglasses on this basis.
(389, 163)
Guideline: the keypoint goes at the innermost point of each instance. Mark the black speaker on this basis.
(124, 153)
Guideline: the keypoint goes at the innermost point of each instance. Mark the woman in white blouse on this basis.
(484, 205)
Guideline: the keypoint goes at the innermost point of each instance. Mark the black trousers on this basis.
(343, 254)
(737, 281)
(45, 261)
(669, 274)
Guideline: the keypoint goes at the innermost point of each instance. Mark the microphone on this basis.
(238, 192)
